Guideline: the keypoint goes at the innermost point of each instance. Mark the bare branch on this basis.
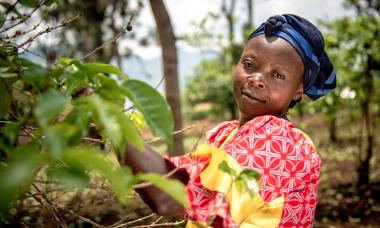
(21, 33)
(116, 37)
(174, 132)
(49, 29)
(146, 184)
(160, 82)
(161, 224)
(26, 17)
(134, 221)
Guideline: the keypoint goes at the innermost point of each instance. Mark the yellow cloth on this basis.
(246, 211)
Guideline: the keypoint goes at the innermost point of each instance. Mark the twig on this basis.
(116, 37)
(134, 221)
(84, 218)
(93, 140)
(155, 222)
(10, 8)
(119, 222)
(146, 184)
(19, 33)
(161, 224)
(26, 17)
(160, 82)
(49, 206)
(199, 138)
(174, 132)
(49, 29)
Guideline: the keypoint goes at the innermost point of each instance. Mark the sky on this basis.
(184, 12)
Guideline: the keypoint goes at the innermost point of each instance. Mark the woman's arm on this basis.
(150, 161)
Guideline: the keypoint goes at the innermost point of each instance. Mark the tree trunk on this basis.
(250, 13)
(333, 137)
(169, 55)
(364, 168)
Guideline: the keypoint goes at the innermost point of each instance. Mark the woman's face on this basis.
(268, 76)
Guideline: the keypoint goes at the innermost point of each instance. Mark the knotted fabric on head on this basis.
(320, 76)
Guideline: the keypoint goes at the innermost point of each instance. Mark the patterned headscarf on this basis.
(320, 76)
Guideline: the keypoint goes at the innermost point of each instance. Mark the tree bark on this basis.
(364, 168)
(169, 55)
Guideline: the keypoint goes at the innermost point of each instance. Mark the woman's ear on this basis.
(298, 94)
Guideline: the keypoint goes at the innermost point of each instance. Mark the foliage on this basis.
(211, 84)
(48, 114)
(245, 181)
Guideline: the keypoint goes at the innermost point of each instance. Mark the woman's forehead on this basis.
(271, 45)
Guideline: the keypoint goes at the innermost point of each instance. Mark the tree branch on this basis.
(26, 17)
(49, 29)
(116, 37)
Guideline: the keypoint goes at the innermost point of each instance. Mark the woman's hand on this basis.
(150, 161)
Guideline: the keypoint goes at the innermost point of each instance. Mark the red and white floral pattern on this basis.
(284, 156)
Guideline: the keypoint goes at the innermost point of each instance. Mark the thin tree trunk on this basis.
(169, 54)
(250, 13)
(364, 168)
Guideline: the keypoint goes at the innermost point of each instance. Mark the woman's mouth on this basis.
(252, 96)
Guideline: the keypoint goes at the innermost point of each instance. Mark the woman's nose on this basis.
(256, 81)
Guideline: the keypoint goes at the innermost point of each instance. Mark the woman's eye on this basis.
(278, 75)
(248, 65)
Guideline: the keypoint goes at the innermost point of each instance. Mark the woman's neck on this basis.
(243, 120)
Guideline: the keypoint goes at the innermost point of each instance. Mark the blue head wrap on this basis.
(320, 76)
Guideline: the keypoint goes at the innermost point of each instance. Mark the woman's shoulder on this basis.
(275, 126)
(218, 134)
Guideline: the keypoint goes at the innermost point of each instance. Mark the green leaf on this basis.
(50, 105)
(29, 3)
(248, 180)
(35, 74)
(2, 19)
(5, 101)
(154, 107)
(225, 168)
(72, 176)
(17, 175)
(11, 131)
(80, 117)
(173, 188)
(137, 119)
(104, 68)
(58, 136)
(7, 49)
(109, 89)
(115, 123)
(119, 180)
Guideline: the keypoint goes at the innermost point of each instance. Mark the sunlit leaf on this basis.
(174, 188)
(154, 107)
(137, 119)
(17, 175)
(104, 68)
(49, 106)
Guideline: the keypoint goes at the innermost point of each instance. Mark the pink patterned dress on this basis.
(285, 158)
